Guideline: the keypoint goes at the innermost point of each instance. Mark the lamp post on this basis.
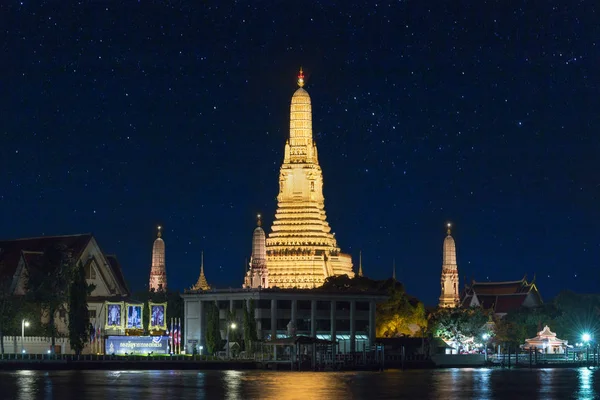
(586, 337)
(232, 326)
(24, 324)
(485, 337)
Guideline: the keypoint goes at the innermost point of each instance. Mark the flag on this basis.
(92, 334)
(175, 336)
(98, 340)
(179, 335)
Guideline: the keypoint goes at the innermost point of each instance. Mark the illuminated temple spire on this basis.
(449, 296)
(301, 250)
(202, 284)
(158, 271)
(360, 270)
(257, 275)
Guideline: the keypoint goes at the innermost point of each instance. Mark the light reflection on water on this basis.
(465, 383)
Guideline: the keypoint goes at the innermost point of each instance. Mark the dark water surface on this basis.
(527, 384)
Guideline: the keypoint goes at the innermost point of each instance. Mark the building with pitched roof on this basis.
(19, 256)
(502, 297)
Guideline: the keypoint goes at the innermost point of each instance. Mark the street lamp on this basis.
(586, 337)
(229, 326)
(24, 324)
(485, 337)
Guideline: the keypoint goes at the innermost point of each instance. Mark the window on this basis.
(92, 313)
(62, 314)
(90, 271)
(312, 186)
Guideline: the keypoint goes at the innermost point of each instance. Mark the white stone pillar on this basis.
(352, 326)
(313, 318)
(333, 317)
(274, 325)
(202, 327)
(295, 314)
(372, 308)
(273, 319)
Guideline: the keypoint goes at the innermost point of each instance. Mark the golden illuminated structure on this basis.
(449, 296)
(360, 271)
(257, 275)
(158, 271)
(301, 249)
(202, 283)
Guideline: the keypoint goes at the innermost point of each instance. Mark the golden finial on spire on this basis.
(360, 270)
(258, 220)
(159, 231)
(301, 78)
(202, 263)
(449, 225)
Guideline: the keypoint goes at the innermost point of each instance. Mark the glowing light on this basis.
(586, 337)
(233, 325)
(485, 336)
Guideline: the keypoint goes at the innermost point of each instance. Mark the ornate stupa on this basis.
(158, 271)
(202, 283)
(449, 296)
(301, 249)
(257, 275)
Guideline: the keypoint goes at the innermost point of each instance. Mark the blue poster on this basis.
(137, 345)
(134, 317)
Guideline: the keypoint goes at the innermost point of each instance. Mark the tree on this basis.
(79, 319)
(400, 316)
(523, 323)
(8, 309)
(576, 314)
(458, 324)
(250, 335)
(213, 330)
(48, 284)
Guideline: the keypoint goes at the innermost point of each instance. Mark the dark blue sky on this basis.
(118, 116)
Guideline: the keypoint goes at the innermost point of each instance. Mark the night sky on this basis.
(119, 116)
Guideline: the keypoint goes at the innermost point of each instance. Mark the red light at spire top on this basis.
(301, 78)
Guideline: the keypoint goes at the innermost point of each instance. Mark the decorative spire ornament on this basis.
(301, 78)
(360, 270)
(202, 283)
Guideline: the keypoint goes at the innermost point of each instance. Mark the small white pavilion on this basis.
(546, 342)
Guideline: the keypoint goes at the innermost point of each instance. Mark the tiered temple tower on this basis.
(258, 275)
(301, 250)
(158, 271)
(202, 283)
(449, 296)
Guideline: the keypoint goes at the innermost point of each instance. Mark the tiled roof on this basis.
(117, 271)
(11, 250)
(497, 288)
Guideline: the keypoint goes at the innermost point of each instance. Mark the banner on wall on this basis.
(134, 316)
(158, 316)
(137, 345)
(114, 315)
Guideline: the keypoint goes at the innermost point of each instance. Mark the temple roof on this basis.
(33, 249)
(115, 267)
(500, 288)
(202, 283)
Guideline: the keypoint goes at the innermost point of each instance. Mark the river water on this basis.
(576, 383)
